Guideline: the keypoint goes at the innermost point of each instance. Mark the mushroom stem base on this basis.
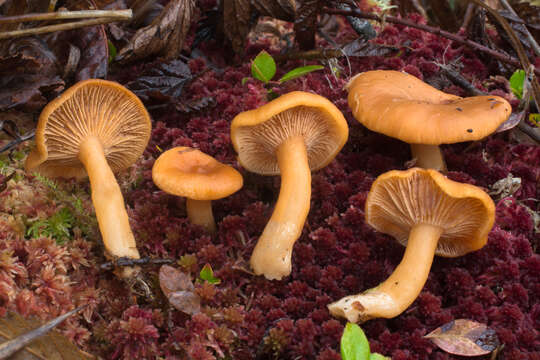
(396, 293)
(428, 157)
(199, 212)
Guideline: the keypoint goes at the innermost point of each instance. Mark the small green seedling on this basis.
(355, 346)
(263, 68)
(207, 274)
(517, 81)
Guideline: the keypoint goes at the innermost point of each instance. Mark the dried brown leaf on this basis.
(278, 9)
(28, 74)
(236, 22)
(465, 338)
(305, 23)
(163, 83)
(94, 51)
(52, 346)
(165, 36)
(172, 279)
(362, 48)
(179, 290)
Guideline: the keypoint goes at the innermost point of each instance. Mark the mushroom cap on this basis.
(400, 199)
(96, 107)
(402, 106)
(184, 171)
(256, 134)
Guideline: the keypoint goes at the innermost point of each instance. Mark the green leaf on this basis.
(245, 80)
(535, 119)
(208, 275)
(263, 67)
(112, 51)
(354, 344)
(300, 71)
(516, 83)
(377, 356)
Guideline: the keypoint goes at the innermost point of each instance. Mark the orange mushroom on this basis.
(430, 215)
(293, 135)
(95, 128)
(402, 106)
(188, 172)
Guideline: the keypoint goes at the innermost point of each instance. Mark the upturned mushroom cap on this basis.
(256, 134)
(188, 172)
(400, 199)
(402, 106)
(92, 107)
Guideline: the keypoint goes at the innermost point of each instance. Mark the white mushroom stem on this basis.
(272, 254)
(428, 157)
(394, 295)
(199, 212)
(108, 202)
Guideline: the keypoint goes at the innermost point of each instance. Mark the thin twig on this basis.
(467, 18)
(316, 54)
(391, 19)
(62, 15)
(59, 27)
(525, 64)
(532, 41)
(124, 261)
(12, 346)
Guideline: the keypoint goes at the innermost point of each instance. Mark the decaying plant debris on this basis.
(188, 67)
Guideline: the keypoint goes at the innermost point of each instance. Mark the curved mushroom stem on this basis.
(428, 157)
(394, 295)
(199, 212)
(272, 254)
(109, 203)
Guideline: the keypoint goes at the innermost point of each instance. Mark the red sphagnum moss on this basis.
(247, 317)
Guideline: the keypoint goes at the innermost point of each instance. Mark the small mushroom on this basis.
(292, 135)
(95, 128)
(430, 215)
(402, 106)
(188, 172)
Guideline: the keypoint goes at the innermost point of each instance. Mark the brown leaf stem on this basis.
(10, 347)
(459, 39)
(62, 15)
(54, 28)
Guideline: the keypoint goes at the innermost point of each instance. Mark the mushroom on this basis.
(184, 171)
(95, 128)
(402, 106)
(293, 135)
(430, 215)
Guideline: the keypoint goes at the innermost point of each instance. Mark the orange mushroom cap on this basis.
(188, 172)
(256, 134)
(398, 200)
(96, 107)
(402, 106)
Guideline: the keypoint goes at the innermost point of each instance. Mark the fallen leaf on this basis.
(50, 346)
(178, 288)
(163, 83)
(28, 74)
(465, 338)
(278, 9)
(236, 22)
(513, 120)
(164, 36)
(363, 48)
